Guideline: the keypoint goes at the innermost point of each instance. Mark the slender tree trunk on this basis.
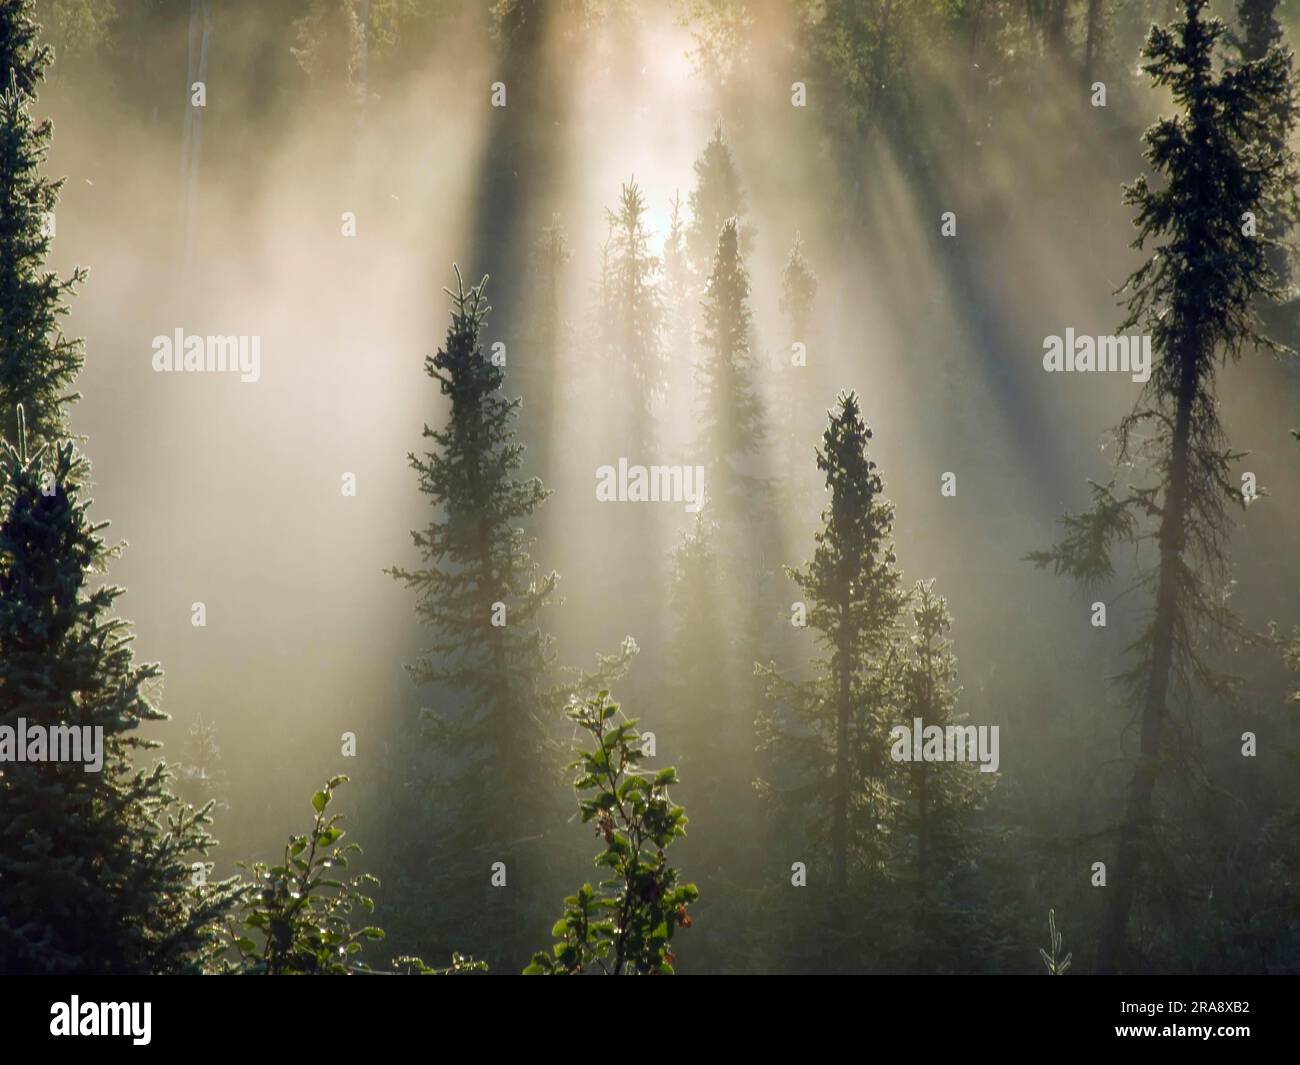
(840, 815)
(509, 768)
(1092, 45)
(923, 790)
(1054, 27)
(194, 115)
(1172, 540)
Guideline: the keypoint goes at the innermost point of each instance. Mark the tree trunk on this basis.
(1092, 45)
(1054, 27)
(840, 809)
(1172, 540)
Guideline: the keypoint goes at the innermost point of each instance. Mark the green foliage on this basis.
(330, 47)
(836, 725)
(1221, 158)
(1259, 30)
(76, 28)
(943, 796)
(860, 54)
(626, 925)
(476, 556)
(408, 965)
(300, 909)
(95, 866)
(19, 50)
(480, 595)
(37, 363)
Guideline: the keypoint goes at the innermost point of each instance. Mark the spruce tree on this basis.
(707, 730)
(835, 727)
(792, 403)
(19, 50)
(698, 648)
(634, 318)
(1258, 29)
(479, 594)
(37, 363)
(798, 290)
(1196, 296)
(538, 374)
(1258, 33)
(730, 435)
(718, 196)
(96, 864)
(730, 432)
(940, 800)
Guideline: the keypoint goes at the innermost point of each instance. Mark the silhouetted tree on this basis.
(37, 363)
(1196, 295)
(479, 594)
(836, 726)
(632, 329)
(96, 861)
(718, 196)
(792, 403)
(730, 429)
(941, 796)
(1259, 29)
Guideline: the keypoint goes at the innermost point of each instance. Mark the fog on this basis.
(232, 494)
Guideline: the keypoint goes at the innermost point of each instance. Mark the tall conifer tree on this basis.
(96, 867)
(634, 318)
(941, 797)
(730, 418)
(1197, 295)
(95, 863)
(718, 196)
(479, 595)
(37, 363)
(836, 726)
(792, 403)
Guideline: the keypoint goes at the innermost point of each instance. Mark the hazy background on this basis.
(229, 493)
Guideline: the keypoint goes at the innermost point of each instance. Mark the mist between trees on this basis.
(633, 472)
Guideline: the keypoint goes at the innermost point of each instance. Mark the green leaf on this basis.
(320, 800)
